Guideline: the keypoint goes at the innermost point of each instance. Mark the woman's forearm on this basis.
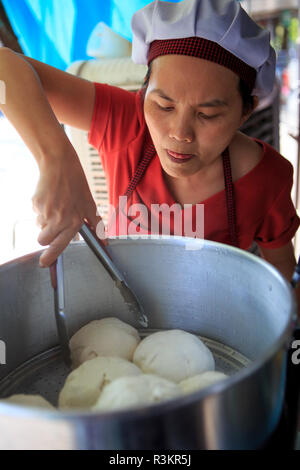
(26, 106)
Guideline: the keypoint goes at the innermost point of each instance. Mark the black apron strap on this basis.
(230, 201)
(149, 153)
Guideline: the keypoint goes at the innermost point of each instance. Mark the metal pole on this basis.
(7, 35)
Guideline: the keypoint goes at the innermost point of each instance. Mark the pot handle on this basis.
(296, 276)
(296, 333)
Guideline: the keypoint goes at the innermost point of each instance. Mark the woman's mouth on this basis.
(179, 157)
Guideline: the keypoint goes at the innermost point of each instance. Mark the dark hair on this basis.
(247, 98)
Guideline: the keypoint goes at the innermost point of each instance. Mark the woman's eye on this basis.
(163, 108)
(206, 116)
(201, 115)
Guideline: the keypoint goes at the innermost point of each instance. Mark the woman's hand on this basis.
(62, 202)
(284, 260)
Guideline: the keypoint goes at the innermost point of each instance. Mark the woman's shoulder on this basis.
(248, 154)
(117, 118)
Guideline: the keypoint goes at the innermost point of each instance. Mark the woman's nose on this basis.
(181, 130)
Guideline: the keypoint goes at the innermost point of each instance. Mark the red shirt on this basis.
(264, 210)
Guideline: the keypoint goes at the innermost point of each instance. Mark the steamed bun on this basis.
(83, 385)
(105, 337)
(174, 355)
(198, 382)
(29, 400)
(140, 390)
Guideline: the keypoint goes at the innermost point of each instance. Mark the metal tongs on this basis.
(99, 249)
(57, 281)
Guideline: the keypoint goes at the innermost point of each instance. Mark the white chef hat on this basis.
(216, 30)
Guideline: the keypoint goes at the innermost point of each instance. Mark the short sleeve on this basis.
(115, 119)
(281, 221)
(100, 115)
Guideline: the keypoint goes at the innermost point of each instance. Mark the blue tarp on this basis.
(57, 31)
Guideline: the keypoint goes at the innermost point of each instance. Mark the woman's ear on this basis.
(255, 102)
(246, 116)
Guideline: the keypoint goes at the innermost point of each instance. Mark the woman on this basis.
(174, 142)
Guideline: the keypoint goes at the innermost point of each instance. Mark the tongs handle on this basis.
(57, 282)
(99, 249)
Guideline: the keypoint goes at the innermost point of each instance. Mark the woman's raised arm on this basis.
(71, 98)
(36, 98)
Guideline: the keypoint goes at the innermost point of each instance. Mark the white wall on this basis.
(261, 6)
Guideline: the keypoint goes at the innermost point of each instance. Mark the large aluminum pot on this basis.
(207, 288)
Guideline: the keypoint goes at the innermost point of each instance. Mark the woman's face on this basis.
(192, 107)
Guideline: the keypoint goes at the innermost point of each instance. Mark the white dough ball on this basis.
(174, 355)
(198, 382)
(105, 337)
(29, 400)
(128, 392)
(83, 385)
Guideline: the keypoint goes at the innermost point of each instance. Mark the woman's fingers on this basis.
(52, 230)
(40, 221)
(63, 202)
(56, 247)
(58, 235)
